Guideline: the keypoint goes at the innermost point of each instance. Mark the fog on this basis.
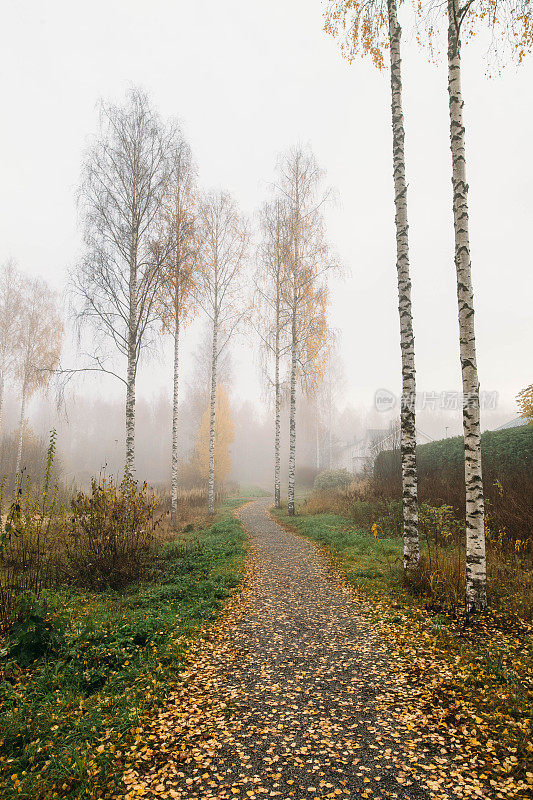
(247, 81)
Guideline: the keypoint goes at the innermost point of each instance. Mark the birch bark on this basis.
(330, 439)
(131, 370)
(292, 416)
(174, 457)
(476, 594)
(408, 424)
(211, 479)
(1, 402)
(21, 428)
(277, 433)
(317, 441)
(277, 354)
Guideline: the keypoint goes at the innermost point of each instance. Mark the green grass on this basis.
(67, 718)
(369, 563)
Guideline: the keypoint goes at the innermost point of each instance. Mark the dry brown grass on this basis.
(507, 497)
(192, 513)
(441, 580)
(358, 502)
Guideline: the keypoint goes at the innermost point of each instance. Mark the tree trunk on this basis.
(292, 419)
(21, 427)
(330, 442)
(317, 435)
(1, 402)
(476, 593)
(277, 433)
(174, 467)
(130, 416)
(411, 547)
(211, 480)
(132, 364)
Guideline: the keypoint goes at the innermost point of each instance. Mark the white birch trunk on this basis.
(1, 403)
(21, 428)
(277, 357)
(174, 465)
(317, 435)
(130, 417)
(277, 432)
(330, 439)
(411, 547)
(211, 479)
(292, 418)
(130, 378)
(476, 593)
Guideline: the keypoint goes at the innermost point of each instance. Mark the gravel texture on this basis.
(287, 697)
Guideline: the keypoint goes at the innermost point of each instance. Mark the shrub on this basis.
(112, 530)
(506, 452)
(507, 458)
(31, 531)
(332, 479)
(37, 630)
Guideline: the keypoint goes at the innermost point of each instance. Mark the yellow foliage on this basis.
(361, 27)
(525, 403)
(224, 436)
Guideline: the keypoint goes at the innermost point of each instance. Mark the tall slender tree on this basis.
(273, 313)
(224, 436)
(224, 239)
(10, 319)
(330, 387)
(305, 294)
(476, 570)
(39, 341)
(370, 27)
(514, 21)
(125, 177)
(180, 264)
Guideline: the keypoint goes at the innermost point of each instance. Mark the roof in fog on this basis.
(514, 423)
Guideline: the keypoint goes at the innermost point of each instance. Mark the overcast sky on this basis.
(248, 79)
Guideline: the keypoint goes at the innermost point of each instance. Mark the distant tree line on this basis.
(158, 250)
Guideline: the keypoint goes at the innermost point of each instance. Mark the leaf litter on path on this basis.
(292, 694)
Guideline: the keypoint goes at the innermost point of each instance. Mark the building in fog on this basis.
(358, 456)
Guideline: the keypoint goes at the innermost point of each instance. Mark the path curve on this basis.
(288, 701)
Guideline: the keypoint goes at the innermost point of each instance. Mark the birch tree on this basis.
(224, 240)
(180, 243)
(224, 436)
(512, 24)
(10, 311)
(272, 312)
(38, 346)
(125, 177)
(476, 568)
(370, 27)
(305, 295)
(330, 387)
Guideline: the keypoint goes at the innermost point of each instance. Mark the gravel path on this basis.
(288, 699)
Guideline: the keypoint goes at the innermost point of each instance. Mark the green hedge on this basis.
(502, 452)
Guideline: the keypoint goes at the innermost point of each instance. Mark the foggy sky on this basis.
(248, 80)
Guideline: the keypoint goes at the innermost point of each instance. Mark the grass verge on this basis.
(67, 719)
(466, 685)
